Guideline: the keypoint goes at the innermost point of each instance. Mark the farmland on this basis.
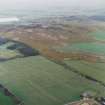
(42, 60)
(4, 100)
(95, 48)
(95, 70)
(41, 81)
(98, 35)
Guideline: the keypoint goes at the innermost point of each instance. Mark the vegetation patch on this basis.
(8, 98)
(98, 35)
(94, 48)
(95, 70)
(12, 49)
(47, 82)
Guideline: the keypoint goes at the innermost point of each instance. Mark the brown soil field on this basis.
(44, 38)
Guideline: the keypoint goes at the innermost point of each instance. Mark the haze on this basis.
(45, 4)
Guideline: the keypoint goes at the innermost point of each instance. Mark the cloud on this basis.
(6, 4)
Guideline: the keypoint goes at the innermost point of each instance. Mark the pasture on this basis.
(38, 81)
(95, 70)
(98, 35)
(93, 47)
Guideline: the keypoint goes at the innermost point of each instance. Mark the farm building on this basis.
(84, 102)
(87, 99)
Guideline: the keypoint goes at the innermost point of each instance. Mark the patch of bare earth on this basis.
(44, 38)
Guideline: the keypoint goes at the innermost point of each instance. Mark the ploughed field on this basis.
(52, 63)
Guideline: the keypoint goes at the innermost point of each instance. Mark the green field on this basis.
(95, 48)
(95, 70)
(88, 47)
(5, 100)
(38, 81)
(98, 35)
(6, 53)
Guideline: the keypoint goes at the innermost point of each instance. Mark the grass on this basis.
(98, 35)
(95, 70)
(6, 53)
(91, 47)
(95, 48)
(5, 100)
(38, 81)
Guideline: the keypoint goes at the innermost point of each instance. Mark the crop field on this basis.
(38, 81)
(6, 53)
(95, 45)
(10, 49)
(36, 74)
(52, 54)
(94, 48)
(4, 100)
(98, 35)
(95, 70)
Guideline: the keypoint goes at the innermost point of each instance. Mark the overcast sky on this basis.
(41, 4)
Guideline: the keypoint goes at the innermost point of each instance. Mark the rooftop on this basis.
(84, 102)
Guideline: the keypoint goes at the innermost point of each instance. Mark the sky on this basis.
(42, 4)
